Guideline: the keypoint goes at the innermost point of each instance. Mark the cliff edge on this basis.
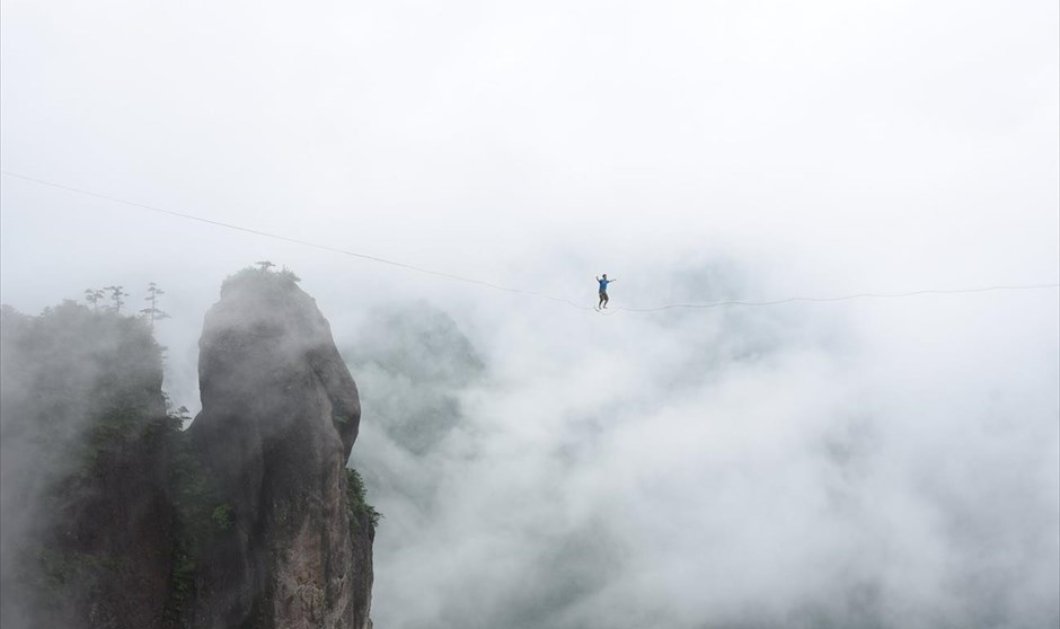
(114, 517)
(280, 413)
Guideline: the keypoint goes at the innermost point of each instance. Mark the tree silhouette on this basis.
(116, 295)
(264, 265)
(93, 296)
(153, 313)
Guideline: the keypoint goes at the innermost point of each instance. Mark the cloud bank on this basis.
(865, 464)
(741, 468)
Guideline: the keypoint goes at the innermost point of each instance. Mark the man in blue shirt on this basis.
(603, 291)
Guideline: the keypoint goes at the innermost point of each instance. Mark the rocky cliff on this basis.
(280, 414)
(113, 516)
(86, 508)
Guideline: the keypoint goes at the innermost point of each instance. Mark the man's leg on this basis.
(605, 298)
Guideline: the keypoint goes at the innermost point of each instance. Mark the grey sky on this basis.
(914, 141)
(693, 150)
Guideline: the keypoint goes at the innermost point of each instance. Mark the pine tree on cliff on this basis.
(94, 296)
(117, 295)
(153, 313)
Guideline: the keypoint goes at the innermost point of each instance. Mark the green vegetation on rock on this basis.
(356, 501)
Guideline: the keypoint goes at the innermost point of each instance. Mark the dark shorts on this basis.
(603, 295)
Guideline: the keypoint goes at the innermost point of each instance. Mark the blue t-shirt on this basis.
(603, 285)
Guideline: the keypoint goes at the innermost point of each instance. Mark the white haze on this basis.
(856, 464)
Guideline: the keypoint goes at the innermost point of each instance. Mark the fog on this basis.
(865, 463)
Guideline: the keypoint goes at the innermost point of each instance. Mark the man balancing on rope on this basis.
(603, 291)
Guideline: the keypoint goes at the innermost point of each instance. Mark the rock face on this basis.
(113, 517)
(87, 514)
(280, 415)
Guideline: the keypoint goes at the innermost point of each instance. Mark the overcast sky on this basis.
(696, 151)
